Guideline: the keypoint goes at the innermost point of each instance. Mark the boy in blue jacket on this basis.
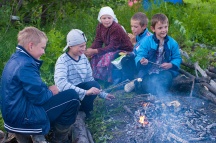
(29, 106)
(139, 23)
(158, 58)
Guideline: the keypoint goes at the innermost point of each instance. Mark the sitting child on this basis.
(73, 71)
(139, 23)
(109, 41)
(158, 58)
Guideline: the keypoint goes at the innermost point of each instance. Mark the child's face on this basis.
(37, 50)
(106, 20)
(160, 29)
(136, 28)
(77, 50)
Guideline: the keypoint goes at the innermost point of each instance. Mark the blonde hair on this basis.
(159, 17)
(30, 34)
(141, 17)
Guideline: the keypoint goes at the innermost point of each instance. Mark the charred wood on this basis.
(171, 135)
(211, 74)
(197, 139)
(203, 93)
(128, 110)
(212, 69)
(210, 88)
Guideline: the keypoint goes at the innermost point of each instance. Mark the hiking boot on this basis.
(61, 134)
(129, 86)
(21, 138)
(38, 139)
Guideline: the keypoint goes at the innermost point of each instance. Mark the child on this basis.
(29, 107)
(73, 71)
(109, 41)
(158, 58)
(139, 23)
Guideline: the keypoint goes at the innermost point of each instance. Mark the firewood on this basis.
(128, 110)
(79, 130)
(197, 139)
(211, 74)
(201, 71)
(210, 88)
(171, 135)
(212, 69)
(202, 92)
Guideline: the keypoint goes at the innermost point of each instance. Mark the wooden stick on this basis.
(171, 135)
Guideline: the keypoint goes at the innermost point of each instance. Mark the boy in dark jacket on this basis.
(29, 107)
(139, 23)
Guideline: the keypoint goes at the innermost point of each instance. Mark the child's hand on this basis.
(110, 97)
(166, 66)
(90, 52)
(93, 91)
(54, 89)
(132, 38)
(144, 61)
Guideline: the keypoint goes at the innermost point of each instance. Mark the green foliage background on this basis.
(190, 23)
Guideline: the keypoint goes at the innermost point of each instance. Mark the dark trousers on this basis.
(63, 108)
(157, 83)
(128, 68)
(88, 100)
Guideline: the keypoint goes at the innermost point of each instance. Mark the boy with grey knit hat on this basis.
(73, 71)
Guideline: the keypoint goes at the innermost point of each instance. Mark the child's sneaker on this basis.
(129, 86)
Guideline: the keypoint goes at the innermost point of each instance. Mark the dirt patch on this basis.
(192, 120)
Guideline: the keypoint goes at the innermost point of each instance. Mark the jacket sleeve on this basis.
(142, 50)
(34, 89)
(175, 55)
(98, 42)
(61, 79)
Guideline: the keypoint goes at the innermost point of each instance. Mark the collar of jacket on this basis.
(166, 39)
(21, 49)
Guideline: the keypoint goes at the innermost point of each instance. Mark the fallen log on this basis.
(203, 93)
(80, 133)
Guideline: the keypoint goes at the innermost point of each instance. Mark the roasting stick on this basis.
(154, 63)
(117, 85)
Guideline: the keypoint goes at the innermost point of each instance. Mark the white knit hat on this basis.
(107, 11)
(75, 37)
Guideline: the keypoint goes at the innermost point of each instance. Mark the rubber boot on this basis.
(60, 134)
(38, 139)
(21, 138)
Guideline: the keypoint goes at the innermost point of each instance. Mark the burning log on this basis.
(80, 134)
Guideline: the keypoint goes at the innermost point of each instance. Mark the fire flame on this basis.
(143, 121)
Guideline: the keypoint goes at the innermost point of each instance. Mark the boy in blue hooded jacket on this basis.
(158, 58)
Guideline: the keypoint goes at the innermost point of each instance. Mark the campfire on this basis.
(169, 121)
